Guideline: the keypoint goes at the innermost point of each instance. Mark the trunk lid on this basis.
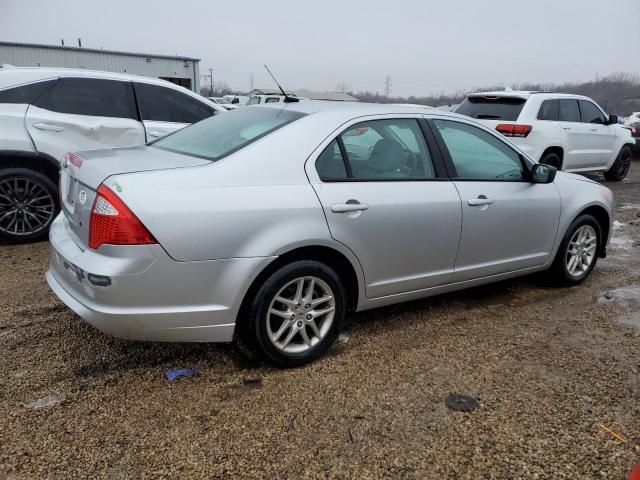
(79, 179)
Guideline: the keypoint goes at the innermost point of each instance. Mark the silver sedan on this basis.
(272, 223)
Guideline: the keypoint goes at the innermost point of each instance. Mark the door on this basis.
(165, 110)
(508, 223)
(83, 114)
(575, 136)
(602, 137)
(386, 200)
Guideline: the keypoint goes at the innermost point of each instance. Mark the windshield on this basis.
(492, 108)
(227, 99)
(221, 135)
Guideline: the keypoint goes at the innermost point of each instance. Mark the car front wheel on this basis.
(296, 314)
(578, 252)
(28, 204)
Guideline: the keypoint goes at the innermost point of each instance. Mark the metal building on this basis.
(182, 71)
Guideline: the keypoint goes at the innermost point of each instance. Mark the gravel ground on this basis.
(549, 367)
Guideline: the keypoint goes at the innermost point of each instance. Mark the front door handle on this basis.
(481, 200)
(51, 127)
(348, 207)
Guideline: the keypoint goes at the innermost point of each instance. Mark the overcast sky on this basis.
(427, 46)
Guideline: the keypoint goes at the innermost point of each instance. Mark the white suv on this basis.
(46, 113)
(570, 132)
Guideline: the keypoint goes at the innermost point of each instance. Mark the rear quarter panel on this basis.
(14, 133)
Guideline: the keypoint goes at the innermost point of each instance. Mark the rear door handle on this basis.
(51, 127)
(348, 207)
(481, 200)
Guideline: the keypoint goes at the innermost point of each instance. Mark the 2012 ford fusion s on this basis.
(270, 224)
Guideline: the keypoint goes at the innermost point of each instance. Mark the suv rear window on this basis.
(492, 108)
(222, 135)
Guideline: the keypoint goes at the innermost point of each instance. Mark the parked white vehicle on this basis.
(46, 113)
(261, 99)
(570, 132)
(633, 118)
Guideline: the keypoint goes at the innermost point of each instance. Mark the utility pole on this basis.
(211, 80)
(387, 85)
(250, 81)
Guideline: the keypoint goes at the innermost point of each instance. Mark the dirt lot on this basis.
(550, 368)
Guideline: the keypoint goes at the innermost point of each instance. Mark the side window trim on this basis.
(451, 169)
(436, 157)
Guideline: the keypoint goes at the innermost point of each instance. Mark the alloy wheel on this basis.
(581, 250)
(26, 207)
(300, 315)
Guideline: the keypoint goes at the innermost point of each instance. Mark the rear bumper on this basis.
(139, 292)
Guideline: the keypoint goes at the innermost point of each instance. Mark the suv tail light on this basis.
(512, 130)
(113, 223)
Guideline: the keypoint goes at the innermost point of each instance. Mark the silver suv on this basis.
(46, 113)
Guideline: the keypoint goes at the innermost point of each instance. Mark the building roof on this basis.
(310, 94)
(96, 50)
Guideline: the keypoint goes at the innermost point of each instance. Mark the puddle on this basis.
(629, 206)
(631, 320)
(621, 296)
(620, 243)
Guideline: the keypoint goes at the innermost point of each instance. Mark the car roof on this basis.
(18, 75)
(525, 94)
(349, 110)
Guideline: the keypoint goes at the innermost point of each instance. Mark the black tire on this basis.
(620, 167)
(552, 159)
(28, 205)
(559, 271)
(254, 330)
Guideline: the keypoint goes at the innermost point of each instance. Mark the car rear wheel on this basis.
(620, 167)
(578, 252)
(28, 204)
(552, 159)
(296, 314)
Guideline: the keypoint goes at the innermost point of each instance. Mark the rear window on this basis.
(219, 136)
(492, 108)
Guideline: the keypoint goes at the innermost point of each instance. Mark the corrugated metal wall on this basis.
(28, 56)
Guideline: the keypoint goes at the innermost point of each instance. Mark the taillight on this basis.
(113, 223)
(512, 130)
(634, 130)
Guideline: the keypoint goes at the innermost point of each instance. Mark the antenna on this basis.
(287, 98)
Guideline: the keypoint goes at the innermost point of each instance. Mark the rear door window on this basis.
(492, 108)
(272, 100)
(89, 96)
(164, 104)
(590, 113)
(568, 110)
(392, 149)
(548, 110)
(24, 93)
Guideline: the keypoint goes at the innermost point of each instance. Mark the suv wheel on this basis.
(620, 167)
(28, 204)
(296, 314)
(552, 159)
(578, 252)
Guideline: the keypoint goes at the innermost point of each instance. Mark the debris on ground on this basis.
(461, 403)
(617, 437)
(174, 373)
(343, 338)
(44, 402)
(617, 224)
(253, 382)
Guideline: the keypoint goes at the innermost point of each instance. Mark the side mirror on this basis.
(613, 119)
(541, 173)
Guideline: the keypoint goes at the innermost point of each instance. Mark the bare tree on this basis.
(343, 87)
